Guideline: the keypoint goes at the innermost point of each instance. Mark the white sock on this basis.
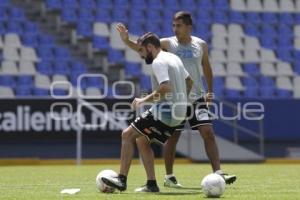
(169, 176)
(219, 172)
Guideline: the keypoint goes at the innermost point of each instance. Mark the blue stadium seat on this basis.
(115, 56)
(171, 4)
(251, 29)
(219, 91)
(221, 17)
(251, 69)
(45, 40)
(204, 16)
(285, 55)
(220, 5)
(45, 68)
(286, 94)
(61, 67)
(86, 15)
(2, 28)
(30, 40)
(119, 15)
(296, 54)
(267, 92)
(285, 30)
(145, 82)
(30, 27)
(8, 81)
(138, 4)
(3, 15)
(268, 29)
(251, 92)
(45, 53)
(136, 28)
(205, 5)
(154, 4)
(25, 81)
(132, 69)
(137, 15)
(270, 18)
(16, 14)
(297, 18)
(286, 18)
(14, 27)
(62, 53)
(296, 65)
(69, 4)
(4, 3)
(266, 81)
(268, 41)
(103, 16)
(95, 82)
(167, 31)
(253, 18)
(59, 92)
(230, 93)
(87, 4)
(249, 82)
(78, 67)
(105, 4)
(189, 5)
(69, 15)
(100, 42)
(84, 29)
(22, 91)
(237, 17)
(54, 4)
(153, 27)
(286, 43)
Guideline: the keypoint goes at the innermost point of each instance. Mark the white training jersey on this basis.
(191, 56)
(172, 109)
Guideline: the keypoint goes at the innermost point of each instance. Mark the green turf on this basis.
(255, 181)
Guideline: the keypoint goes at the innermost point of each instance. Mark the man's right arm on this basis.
(133, 44)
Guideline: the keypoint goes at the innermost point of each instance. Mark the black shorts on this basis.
(197, 115)
(154, 130)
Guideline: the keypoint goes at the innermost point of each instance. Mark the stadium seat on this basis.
(45, 68)
(268, 69)
(103, 16)
(286, 6)
(87, 4)
(6, 92)
(238, 5)
(100, 42)
(251, 69)
(254, 5)
(270, 5)
(27, 68)
(7, 81)
(53, 4)
(270, 18)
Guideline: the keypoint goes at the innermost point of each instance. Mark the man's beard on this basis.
(149, 58)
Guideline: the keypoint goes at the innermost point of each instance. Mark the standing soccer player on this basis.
(193, 52)
(171, 84)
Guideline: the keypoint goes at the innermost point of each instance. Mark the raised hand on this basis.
(123, 31)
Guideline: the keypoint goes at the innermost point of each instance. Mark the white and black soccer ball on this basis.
(213, 185)
(101, 186)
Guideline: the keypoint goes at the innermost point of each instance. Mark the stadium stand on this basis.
(254, 45)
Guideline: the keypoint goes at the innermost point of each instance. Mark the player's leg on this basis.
(129, 135)
(147, 156)
(202, 122)
(169, 157)
(211, 148)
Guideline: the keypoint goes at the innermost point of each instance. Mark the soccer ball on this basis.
(101, 186)
(213, 185)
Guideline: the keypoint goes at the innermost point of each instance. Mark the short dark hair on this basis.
(149, 38)
(186, 17)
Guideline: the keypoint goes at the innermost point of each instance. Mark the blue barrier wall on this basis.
(281, 121)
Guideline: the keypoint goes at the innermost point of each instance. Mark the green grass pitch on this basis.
(255, 181)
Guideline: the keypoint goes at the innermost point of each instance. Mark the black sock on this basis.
(151, 183)
(123, 178)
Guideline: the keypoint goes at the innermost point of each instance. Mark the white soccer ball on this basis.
(101, 186)
(213, 185)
